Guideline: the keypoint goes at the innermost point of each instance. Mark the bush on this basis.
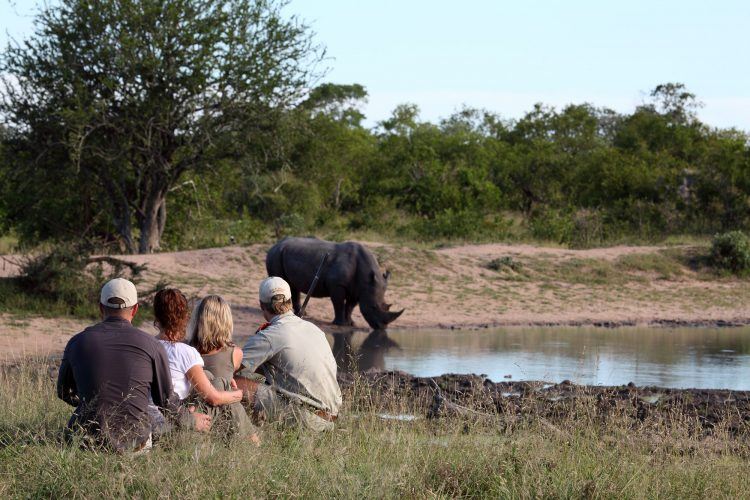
(551, 225)
(731, 251)
(209, 232)
(461, 225)
(506, 262)
(67, 279)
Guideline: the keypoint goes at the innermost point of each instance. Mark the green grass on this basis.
(8, 244)
(663, 265)
(14, 300)
(21, 304)
(369, 457)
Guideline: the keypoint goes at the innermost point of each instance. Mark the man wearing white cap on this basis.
(109, 371)
(297, 362)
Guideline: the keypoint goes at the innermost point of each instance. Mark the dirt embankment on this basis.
(471, 286)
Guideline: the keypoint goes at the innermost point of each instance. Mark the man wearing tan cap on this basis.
(111, 369)
(297, 362)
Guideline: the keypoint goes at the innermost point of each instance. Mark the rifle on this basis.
(312, 287)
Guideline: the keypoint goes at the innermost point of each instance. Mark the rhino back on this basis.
(296, 260)
(349, 265)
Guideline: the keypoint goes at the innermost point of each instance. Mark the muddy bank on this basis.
(697, 410)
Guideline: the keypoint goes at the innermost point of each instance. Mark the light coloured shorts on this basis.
(269, 406)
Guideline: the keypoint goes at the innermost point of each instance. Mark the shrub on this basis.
(289, 224)
(731, 251)
(506, 262)
(551, 225)
(461, 225)
(209, 232)
(68, 277)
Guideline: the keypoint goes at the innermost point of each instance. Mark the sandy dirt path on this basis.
(448, 288)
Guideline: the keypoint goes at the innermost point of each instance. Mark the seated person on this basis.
(110, 372)
(297, 362)
(185, 363)
(210, 331)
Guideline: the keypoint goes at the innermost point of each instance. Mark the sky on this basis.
(505, 56)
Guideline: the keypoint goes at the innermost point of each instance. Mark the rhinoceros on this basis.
(350, 276)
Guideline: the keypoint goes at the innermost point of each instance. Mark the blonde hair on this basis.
(211, 325)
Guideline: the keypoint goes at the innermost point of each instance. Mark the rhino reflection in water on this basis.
(369, 356)
(350, 276)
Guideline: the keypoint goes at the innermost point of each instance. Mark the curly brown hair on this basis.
(171, 312)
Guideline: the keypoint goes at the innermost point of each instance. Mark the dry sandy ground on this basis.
(445, 288)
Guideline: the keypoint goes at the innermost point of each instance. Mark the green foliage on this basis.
(731, 251)
(209, 232)
(65, 280)
(579, 176)
(110, 104)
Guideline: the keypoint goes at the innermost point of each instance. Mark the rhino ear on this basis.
(386, 276)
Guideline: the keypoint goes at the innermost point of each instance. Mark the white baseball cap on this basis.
(119, 288)
(274, 286)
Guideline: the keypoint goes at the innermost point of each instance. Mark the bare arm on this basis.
(163, 395)
(237, 358)
(205, 390)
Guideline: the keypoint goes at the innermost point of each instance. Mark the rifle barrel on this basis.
(312, 286)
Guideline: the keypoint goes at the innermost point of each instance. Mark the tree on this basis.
(127, 96)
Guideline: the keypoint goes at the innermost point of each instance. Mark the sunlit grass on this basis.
(493, 455)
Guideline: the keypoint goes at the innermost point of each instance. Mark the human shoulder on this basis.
(185, 355)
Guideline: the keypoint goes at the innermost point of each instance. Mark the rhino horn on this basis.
(392, 316)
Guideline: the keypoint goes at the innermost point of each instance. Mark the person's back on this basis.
(112, 365)
(108, 372)
(299, 360)
(220, 363)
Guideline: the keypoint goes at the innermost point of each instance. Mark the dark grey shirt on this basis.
(108, 372)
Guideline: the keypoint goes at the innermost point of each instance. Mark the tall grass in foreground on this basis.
(369, 456)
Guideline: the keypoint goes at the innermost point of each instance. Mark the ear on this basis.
(135, 311)
(386, 275)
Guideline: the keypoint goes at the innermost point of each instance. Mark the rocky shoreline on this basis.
(476, 397)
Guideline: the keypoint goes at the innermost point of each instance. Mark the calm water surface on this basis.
(679, 358)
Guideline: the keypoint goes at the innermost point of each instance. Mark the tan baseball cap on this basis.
(119, 288)
(274, 286)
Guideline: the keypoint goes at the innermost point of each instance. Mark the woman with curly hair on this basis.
(186, 365)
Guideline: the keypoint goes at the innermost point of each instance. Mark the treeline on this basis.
(174, 124)
(581, 175)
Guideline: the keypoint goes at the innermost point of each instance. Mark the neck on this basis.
(117, 316)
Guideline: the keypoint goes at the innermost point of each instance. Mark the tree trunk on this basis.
(152, 223)
(125, 230)
(121, 214)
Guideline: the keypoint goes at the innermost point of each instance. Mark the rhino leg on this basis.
(348, 308)
(338, 298)
(295, 300)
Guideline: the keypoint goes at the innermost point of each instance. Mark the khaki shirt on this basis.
(296, 359)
